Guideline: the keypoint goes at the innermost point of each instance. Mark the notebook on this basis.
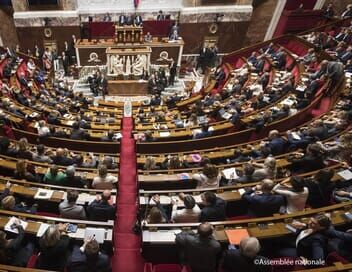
(43, 194)
(97, 233)
(230, 173)
(345, 174)
(236, 235)
(11, 227)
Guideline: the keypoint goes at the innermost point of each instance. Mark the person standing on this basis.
(200, 251)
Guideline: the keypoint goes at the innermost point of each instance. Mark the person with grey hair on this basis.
(54, 248)
(69, 209)
(245, 258)
(73, 180)
(109, 162)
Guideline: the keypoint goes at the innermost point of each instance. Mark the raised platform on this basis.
(127, 87)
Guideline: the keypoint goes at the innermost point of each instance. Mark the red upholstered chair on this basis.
(167, 268)
(334, 257)
(148, 267)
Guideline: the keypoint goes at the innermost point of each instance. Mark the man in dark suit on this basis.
(65, 62)
(122, 20)
(160, 16)
(23, 81)
(71, 180)
(245, 258)
(311, 240)
(276, 143)
(100, 209)
(200, 251)
(88, 258)
(60, 158)
(261, 201)
(259, 65)
(347, 12)
(341, 242)
(103, 85)
(138, 21)
(214, 208)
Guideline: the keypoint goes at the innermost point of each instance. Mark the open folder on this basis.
(236, 235)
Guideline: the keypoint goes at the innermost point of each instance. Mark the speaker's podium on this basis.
(128, 34)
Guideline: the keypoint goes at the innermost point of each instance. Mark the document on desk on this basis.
(163, 200)
(42, 229)
(97, 233)
(79, 234)
(85, 198)
(164, 133)
(43, 194)
(11, 227)
(345, 174)
(161, 236)
(230, 173)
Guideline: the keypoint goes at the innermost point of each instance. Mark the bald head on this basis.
(60, 152)
(249, 247)
(106, 195)
(205, 230)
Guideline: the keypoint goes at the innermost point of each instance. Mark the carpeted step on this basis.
(127, 241)
(125, 223)
(123, 209)
(129, 260)
(127, 198)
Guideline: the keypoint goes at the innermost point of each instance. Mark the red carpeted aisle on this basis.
(127, 257)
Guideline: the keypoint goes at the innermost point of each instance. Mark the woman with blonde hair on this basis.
(23, 150)
(22, 173)
(54, 248)
(209, 177)
(267, 169)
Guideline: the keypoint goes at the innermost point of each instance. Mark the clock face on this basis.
(47, 32)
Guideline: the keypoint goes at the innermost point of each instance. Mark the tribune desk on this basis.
(91, 53)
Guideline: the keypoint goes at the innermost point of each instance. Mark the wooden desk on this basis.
(127, 87)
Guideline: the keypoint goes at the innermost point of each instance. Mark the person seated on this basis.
(347, 13)
(311, 161)
(150, 163)
(73, 180)
(214, 208)
(157, 214)
(43, 129)
(340, 242)
(23, 150)
(90, 162)
(61, 158)
(208, 178)
(276, 143)
(21, 172)
(245, 176)
(104, 180)
(138, 21)
(88, 258)
(148, 37)
(329, 11)
(200, 250)
(15, 251)
(54, 248)
(102, 209)
(69, 209)
(107, 17)
(320, 188)
(78, 133)
(295, 192)
(8, 202)
(310, 242)
(54, 177)
(267, 169)
(174, 162)
(174, 36)
(40, 156)
(122, 20)
(109, 162)
(109, 137)
(205, 132)
(160, 16)
(189, 214)
(261, 201)
(6, 149)
(245, 258)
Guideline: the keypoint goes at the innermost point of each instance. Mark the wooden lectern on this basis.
(128, 34)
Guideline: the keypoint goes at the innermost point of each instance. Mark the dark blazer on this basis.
(78, 262)
(122, 20)
(75, 181)
(262, 205)
(307, 163)
(341, 242)
(99, 210)
(277, 146)
(319, 195)
(199, 253)
(313, 247)
(233, 260)
(65, 161)
(54, 257)
(216, 212)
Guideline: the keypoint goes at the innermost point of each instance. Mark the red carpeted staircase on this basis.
(127, 256)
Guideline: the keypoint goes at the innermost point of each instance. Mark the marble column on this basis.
(19, 5)
(275, 19)
(319, 4)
